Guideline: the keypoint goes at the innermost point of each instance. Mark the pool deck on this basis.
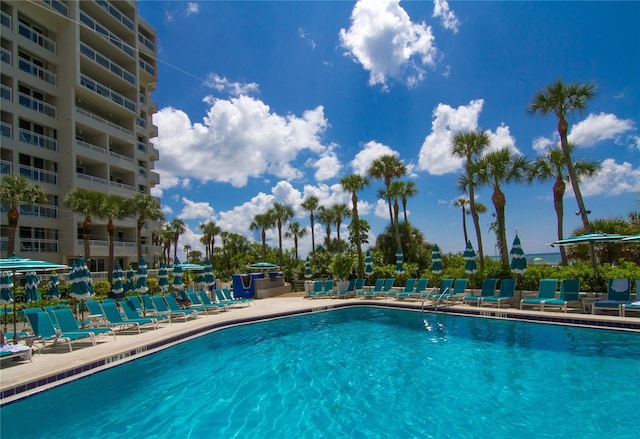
(56, 365)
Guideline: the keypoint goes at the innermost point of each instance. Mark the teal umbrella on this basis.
(163, 278)
(399, 265)
(117, 290)
(436, 260)
(141, 272)
(54, 287)
(368, 264)
(518, 258)
(31, 288)
(6, 294)
(200, 281)
(82, 284)
(129, 284)
(307, 268)
(209, 279)
(178, 282)
(470, 265)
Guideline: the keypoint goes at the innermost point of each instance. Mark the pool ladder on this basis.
(435, 305)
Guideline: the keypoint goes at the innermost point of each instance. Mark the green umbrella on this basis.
(6, 293)
(82, 285)
(31, 288)
(209, 280)
(129, 285)
(141, 272)
(518, 258)
(54, 288)
(163, 278)
(307, 268)
(368, 263)
(399, 265)
(470, 265)
(436, 260)
(178, 282)
(117, 290)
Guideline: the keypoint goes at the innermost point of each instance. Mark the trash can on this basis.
(243, 284)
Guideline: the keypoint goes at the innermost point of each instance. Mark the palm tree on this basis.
(281, 214)
(340, 212)
(562, 100)
(407, 190)
(262, 222)
(469, 146)
(17, 190)
(354, 183)
(113, 207)
(295, 231)
(166, 236)
(179, 227)
(87, 203)
(462, 203)
(310, 204)
(186, 249)
(144, 207)
(395, 192)
(209, 232)
(386, 168)
(325, 216)
(552, 166)
(494, 169)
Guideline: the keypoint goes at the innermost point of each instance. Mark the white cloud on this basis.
(192, 8)
(382, 209)
(195, 210)
(305, 37)
(502, 138)
(370, 151)
(447, 16)
(598, 127)
(223, 85)
(435, 154)
(239, 138)
(612, 179)
(541, 144)
(327, 165)
(384, 40)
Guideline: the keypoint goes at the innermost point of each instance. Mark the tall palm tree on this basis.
(166, 236)
(87, 203)
(469, 146)
(386, 168)
(551, 165)
(295, 231)
(462, 203)
(209, 231)
(495, 169)
(340, 212)
(562, 100)
(407, 190)
(143, 207)
(282, 213)
(179, 228)
(354, 183)
(311, 204)
(395, 192)
(325, 216)
(186, 249)
(18, 190)
(262, 222)
(113, 207)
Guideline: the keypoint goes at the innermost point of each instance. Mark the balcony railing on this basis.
(120, 156)
(5, 167)
(37, 71)
(39, 175)
(58, 6)
(38, 140)
(147, 42)
(141, 122)
(142, 172)
(91, 178)
(124, 186)
(39, 210)
(37, 105)
(115, 12)
(92, 147)
(97, 118)
(147, 67)
(105, 62)
(5, 19)
(39, 245)
(5, 129)
(106, 92)
(5, 92)
(37, 38)
(106, 34)
(5, 55)
(142, 147)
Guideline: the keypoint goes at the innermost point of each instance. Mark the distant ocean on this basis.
(541, 258)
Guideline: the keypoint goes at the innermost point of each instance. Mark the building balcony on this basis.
(5, 93)
(37, 210)
(91, 178)
(108, 64)
(5, 19)
(37, 38)
(39, 175)
(6, 130)
(102, 121)
(120, 157)
(58, 6)
(5, 55)
(107, 35)
(38, 140)
(38, 245)
(37, 71)
(5, 167)
(147, 68)
(37, 105)
(116, 13)
(122, 186)
(107, 93)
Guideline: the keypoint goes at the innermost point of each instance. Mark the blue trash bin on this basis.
(243, 284)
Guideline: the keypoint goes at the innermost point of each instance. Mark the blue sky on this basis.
(263, 102)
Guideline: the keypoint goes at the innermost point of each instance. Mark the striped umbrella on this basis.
(178, 282)
(307, 268)
(436, 260)
(31, 288)
(6, 294)
(209, 279)
(368, 263)
(82, 284)
(129, 284)
(141, 272)
(200, 281)
(399, 265)
(470, 265)
(54, 289)
(117, 290)
(518, 259)
(163, 278)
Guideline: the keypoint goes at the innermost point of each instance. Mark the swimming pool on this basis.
(356, 373)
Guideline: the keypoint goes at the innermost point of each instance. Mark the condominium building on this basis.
(76, 107)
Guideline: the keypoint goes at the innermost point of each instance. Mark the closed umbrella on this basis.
(178, 282)
(129, 284)
(6, 294)
(518, 258)
(399, 258)
(141, 272)
(307, 268)
(470, 265)
(209, 280)
(436, 260)
(117, 290)
(200, 281)
(54, 287)
(368, 263)
(163, 278)
(31, 288)
(82, 284)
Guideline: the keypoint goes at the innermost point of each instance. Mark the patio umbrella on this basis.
(263, 266)
(141, 282)
(117, 290)
(518, 258)
(54, 288)
(631, 238)
(209, 279)
(31, 288)
(6, 293)
(399, 265)
(470, 265)
(200, 281)
(178, 282)
(590, 238)
(82, 284)
(307, 268)
(368, 263)
(129, 285)
(436, 260)
(163, 278)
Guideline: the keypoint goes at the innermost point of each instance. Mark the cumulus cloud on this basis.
(612, 179)
(598, 127)
(239, 138)
(501, 139)
(541, 144)
(370, 151)
(448, 18)
(384, 40)
(327, 165)
(223, 85)
(196, 210)
(192, 8)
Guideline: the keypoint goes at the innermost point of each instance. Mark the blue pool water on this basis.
(356, 373)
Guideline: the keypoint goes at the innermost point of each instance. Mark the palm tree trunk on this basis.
(13, 217)
(499, 203)
(313, 235)
(111, 230)
(558, 195)
(280, 240)
(476, 222)
(86, 234)
(356, 218)
(464, 225)
(264, 245)
(139, 225)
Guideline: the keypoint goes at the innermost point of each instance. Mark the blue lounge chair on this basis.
(376, 287)
(246, 301)
(322, 289)
(619, 294)
(204, 298)
(420, 292)
(318, 286)
(488, 289)
(67, 323)
(349, 292)
(42, 327)
(196, 302)
(112, 313)
(445, 286)
(409, 287)
(458, 292)
(386, 288)
(507, 290)
(546, 291)
(632, 306)
(174, 307)
(162, 307)
(132, 309)
(569, 295)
